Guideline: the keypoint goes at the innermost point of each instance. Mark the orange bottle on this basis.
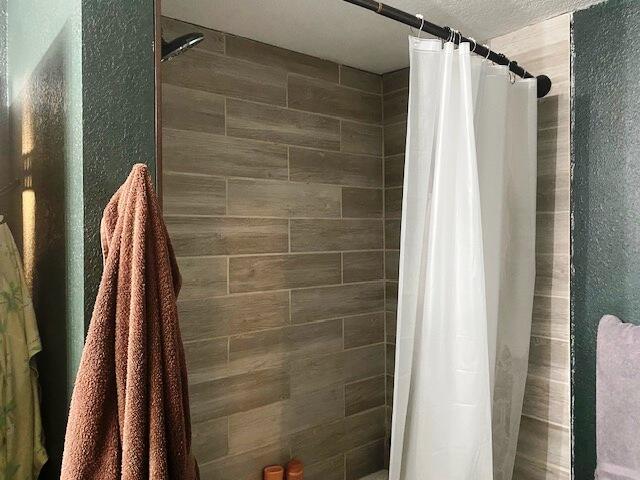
(295, 470)
(273, 472)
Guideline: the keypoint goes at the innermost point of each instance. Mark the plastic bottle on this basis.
(295, 470)
(273, 472)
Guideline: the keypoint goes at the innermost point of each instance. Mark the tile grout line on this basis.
(366, 379)
(284, 143)
(228, 275)
(226, 197)
(545, 465)
(281, 180)
(312, 113)
(546, 379)
(226, 117)
(275, 217)
(286, 90)
(384, 248)
(226, 207)
(549, 422)
(553, 339)
(384, 254)
(344, 466)
(320, 252)
(228, 337)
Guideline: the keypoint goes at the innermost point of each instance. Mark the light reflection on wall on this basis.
(28, 199)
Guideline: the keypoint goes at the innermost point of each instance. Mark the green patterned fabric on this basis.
(22, 452)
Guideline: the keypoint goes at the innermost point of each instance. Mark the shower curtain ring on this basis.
(455, 37)
(512, 79)
(380, 7)
(488, 51)
(452, 35)
(421, 17)
(515, 77)
(474, 44)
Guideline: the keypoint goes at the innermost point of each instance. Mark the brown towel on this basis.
(129, 415)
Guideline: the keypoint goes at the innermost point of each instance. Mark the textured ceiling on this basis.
(338, 31)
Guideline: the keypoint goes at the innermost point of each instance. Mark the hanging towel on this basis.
(22, 452)
(618, 400)
(129, 416)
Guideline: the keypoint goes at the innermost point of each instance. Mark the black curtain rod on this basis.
(446, 33)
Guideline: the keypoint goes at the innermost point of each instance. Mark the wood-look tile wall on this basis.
(273, 196)
(544, 447)
(395, 97)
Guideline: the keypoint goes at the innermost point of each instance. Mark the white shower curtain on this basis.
(466, 267)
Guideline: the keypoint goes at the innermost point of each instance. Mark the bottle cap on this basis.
(273, 472)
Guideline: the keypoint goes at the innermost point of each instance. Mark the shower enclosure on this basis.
(282, 187)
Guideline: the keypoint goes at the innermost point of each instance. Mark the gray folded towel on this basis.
(618, 400)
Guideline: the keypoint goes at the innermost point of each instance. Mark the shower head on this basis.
(179, 45)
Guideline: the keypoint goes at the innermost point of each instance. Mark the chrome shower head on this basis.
(179, 45)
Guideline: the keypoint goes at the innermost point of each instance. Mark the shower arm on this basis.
(448, 34)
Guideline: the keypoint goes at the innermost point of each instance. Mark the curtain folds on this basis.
(466, 267)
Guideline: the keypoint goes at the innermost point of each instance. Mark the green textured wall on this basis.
(119, 110)
(81, 108)
(605, 195)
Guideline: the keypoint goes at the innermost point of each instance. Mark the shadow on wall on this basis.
(38, 122)
(585, 358)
